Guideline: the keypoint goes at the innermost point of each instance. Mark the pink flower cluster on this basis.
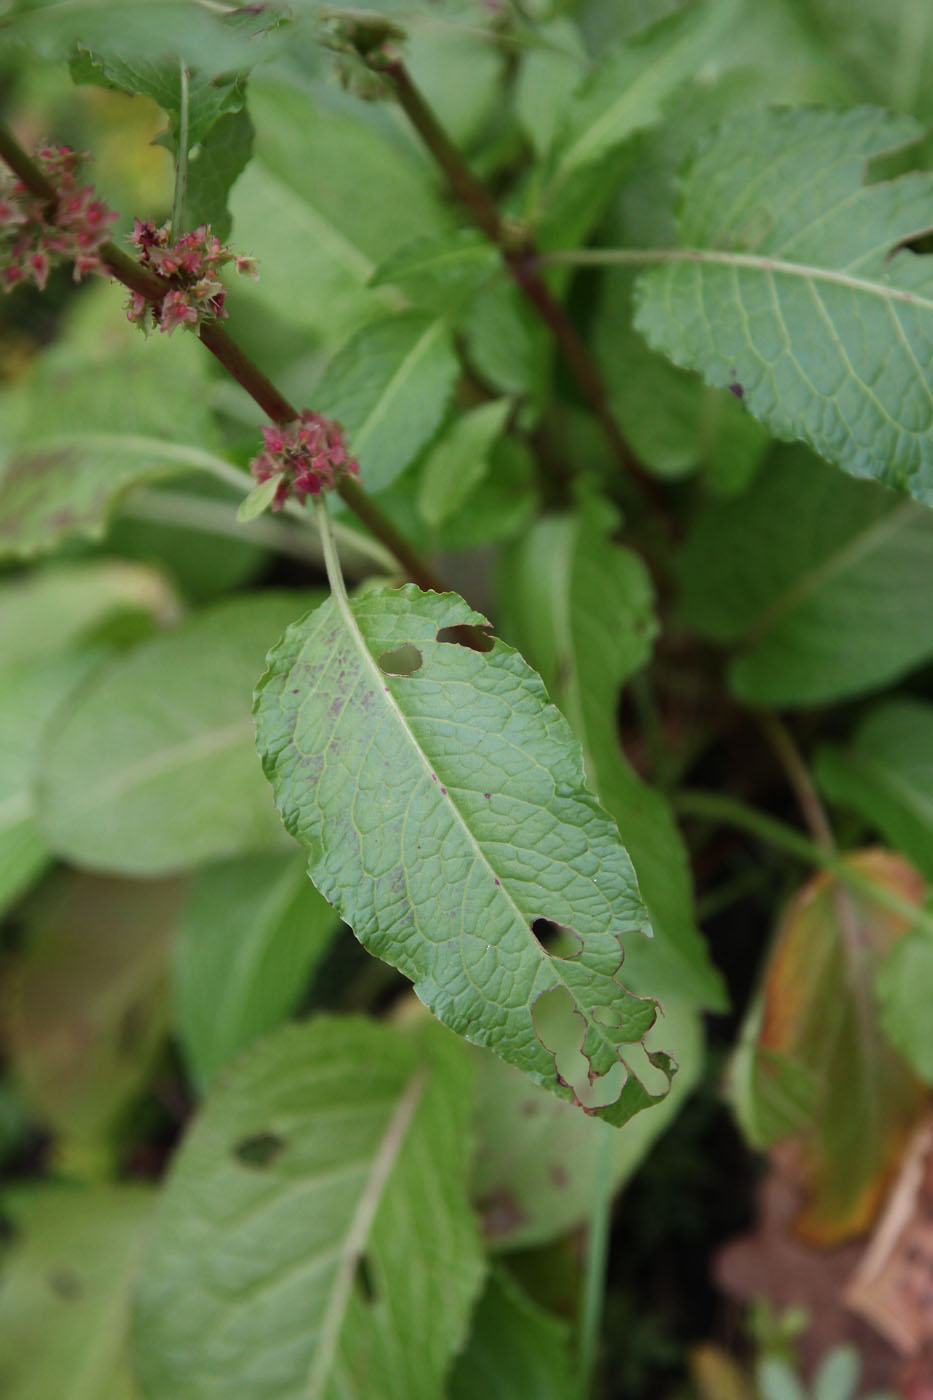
(35, 237)
(308, 457)
(191, 264)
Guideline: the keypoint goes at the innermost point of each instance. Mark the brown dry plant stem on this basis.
(236, 362)
(521, 258)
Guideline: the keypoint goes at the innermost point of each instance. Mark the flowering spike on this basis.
(307, 457)
(190, 264)
(34, 237)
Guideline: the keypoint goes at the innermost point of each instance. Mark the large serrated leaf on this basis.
(588, 631)
(443, 801)
(818, 583)
(68, 1275)
(792, 284)
(314, 1239)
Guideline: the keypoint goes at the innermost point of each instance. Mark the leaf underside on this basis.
(445, 812)
(795, 286)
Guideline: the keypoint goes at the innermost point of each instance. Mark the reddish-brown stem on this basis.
(235, 361)
(521, 259)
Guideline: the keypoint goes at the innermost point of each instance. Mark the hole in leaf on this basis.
(403, 661)
(65, 1283)
(919, 243)
(260, 1150)
(473, 638)
(364, 1280)
(560, 1028)
(557, 940)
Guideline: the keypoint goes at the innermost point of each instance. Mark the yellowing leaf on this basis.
(816, 1066)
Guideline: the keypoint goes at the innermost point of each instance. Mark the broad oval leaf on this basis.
(67, 1275)
(153, 769)
(817, 582)
(443, 801)
(815, 1066)
(251, 931)
(792, 283)
(314, 1239)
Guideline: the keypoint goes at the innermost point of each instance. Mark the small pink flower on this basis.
(191, 265)
(308, 456)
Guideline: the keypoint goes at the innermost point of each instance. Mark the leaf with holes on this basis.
(815, 1068)
(443, 802)
(588, 632)
(315, 1211)
(793, 283)
(67, 1275)
(818, 584)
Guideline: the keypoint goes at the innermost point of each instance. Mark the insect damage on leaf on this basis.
(441, 796)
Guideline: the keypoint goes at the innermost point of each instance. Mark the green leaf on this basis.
(314, 1238)
(817, 1015)
(547, 79)
(536, 1156)
(213, 167)
(49, 626)
(886, 775)
(146, 27)
(258, 500)
(67, 1276)
(153, 770)
(85, 1008)
(160, 79)
(440, 272)
(904, 987)
(630, 87)
(588, 630)
(91, 421)
(793, 285)
(297, 207)
(673, 421)
(456, 819)
(252, 930)
(459, 460)
(819, 583)
(389, 387)
(515, 1349)
(508, 343)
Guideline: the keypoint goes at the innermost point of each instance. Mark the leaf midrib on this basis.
(361, 1223)
(163, 761)
(356, 634)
